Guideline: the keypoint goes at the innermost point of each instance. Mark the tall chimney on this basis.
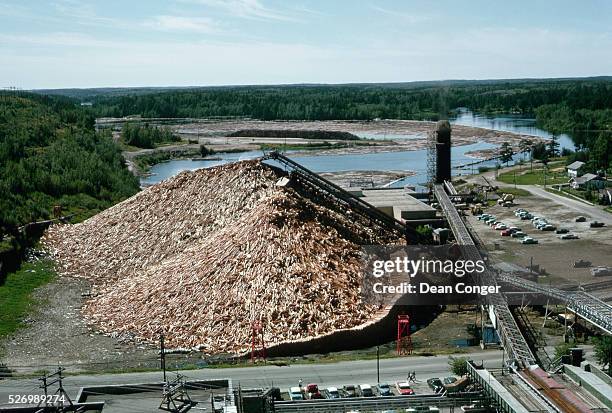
(443, 151)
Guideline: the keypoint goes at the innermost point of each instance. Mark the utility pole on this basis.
(162, 352)
(378, 363)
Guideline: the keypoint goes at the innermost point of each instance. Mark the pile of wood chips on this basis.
(200, 256)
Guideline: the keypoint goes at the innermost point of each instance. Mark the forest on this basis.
(579, 107)
(430, 100)
(146, 136)
(50, 157)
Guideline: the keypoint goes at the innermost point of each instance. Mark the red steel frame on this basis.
(404, 340)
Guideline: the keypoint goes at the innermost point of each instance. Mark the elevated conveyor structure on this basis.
(581, 303)
(321, 185)
(510, 335)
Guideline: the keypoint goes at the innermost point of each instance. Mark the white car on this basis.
(295, 393)
(365, 390)
(331, 393)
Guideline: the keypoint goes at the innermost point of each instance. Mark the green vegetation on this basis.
(513, 191)
(296, 134)
(312, 146)
(603, 352)
(580, 107)
(458, 365)
(146, 136)
(535, 177)
(204, 151)
(145, 161)
(563, 349)
(16, 293)
(50, 155)
(506, 153)
(417, 100)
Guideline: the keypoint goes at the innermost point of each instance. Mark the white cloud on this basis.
(183, 24)
(250, 9)
(410, 18)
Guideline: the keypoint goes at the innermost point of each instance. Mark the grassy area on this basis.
(513, 191)
(16, 293)
(535, 177)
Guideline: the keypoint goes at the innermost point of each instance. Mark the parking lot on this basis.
(554, 256)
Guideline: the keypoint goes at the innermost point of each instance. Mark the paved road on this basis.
(330, 374)
(580, 207)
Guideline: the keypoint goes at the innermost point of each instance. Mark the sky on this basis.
(112, 43)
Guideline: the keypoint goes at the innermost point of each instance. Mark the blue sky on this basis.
(79, 43)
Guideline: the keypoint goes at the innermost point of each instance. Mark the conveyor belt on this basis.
(581, 303)
(356, 204)
(513, 341)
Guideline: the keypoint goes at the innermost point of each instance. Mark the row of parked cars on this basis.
(400, 388)
(506, 231)
(311, 391)
(542, 224)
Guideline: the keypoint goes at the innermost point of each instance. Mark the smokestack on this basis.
(443, 151)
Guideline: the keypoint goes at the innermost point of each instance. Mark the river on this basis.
(408, 160)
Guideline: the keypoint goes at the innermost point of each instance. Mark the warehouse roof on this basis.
(575, 165)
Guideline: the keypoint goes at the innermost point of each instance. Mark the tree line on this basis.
(361, 102)
(146, 136)
(50, 157)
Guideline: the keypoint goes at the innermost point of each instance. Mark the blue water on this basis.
(165, 170)
(408, 160)
(509, 123)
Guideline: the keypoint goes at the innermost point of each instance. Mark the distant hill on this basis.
(88, 94)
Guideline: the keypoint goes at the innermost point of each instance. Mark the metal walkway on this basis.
(580, 303)
(377, 403)
(510, 335)
(343, 197)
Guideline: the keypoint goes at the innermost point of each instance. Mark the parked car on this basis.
(596, 224)
(449, 379)
(581, 219)
(506, 232)
(349, 390)
(548, 227)
(403, 388)
(601, 271)
(562, 231)
(435, 384)
(529, 240)
(518, 234)
(365, 390)
(473, 408)
(569, 236)
(295, 393)
(526, 216)
(331, 393)
(384, 389)
(499, 227)
(313, 391)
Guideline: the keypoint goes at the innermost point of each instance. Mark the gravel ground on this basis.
(556, 256)
(57, 334)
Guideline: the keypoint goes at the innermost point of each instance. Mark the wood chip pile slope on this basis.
(199, 256)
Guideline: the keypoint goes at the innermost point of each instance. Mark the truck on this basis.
(506, 200)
